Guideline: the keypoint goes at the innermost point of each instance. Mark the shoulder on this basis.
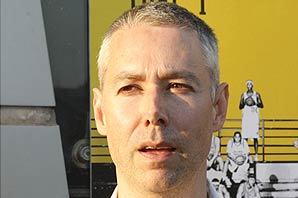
(245, 142)
(216, 138)
(230, 142)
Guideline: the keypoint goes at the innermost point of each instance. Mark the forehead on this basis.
(141, 37)
(155, 45)
(251, 178)
(139, 30)
(249, 83)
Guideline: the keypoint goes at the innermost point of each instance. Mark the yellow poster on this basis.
(258, 41)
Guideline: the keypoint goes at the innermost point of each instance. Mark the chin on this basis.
(160, 180)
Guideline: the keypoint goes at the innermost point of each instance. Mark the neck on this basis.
(193, 186)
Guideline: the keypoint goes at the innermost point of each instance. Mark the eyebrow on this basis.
(189, 76)
(126, 75)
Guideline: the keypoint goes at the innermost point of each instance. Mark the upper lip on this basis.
(156, 146)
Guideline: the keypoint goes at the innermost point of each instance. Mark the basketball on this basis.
(240, 160)
(249, 101)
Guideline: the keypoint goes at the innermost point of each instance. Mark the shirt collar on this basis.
(115, 193)
(211, 192)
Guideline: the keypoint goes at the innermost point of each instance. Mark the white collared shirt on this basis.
(211, 192)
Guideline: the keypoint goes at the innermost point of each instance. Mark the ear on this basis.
(98, 111)
(220, 106)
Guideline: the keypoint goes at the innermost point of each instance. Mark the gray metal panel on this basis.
(25, 70)
(32, 162)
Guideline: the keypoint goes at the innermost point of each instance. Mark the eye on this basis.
(180, 87)
(129, 89)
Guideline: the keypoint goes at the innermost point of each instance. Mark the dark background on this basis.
(66, 25)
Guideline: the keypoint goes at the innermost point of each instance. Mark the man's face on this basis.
(237, 138)
(249, 85)
(155, 106)
(251, 181)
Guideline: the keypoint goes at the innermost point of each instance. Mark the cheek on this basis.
(119, 126)
(197, 126)
(120, 114)
(195, 115)
(122, 119)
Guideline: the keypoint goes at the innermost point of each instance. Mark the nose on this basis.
(154, 109)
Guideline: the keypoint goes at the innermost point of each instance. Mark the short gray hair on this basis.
(165, 14)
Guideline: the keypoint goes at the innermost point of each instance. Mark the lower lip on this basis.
(158, 155)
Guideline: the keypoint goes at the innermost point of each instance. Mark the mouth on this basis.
(157, 149)
(158, 154)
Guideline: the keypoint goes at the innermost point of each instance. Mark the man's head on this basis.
(237, 137)
(251, 179)
(215, 183)
(155, 104)
(249, 84)
(164, 15)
